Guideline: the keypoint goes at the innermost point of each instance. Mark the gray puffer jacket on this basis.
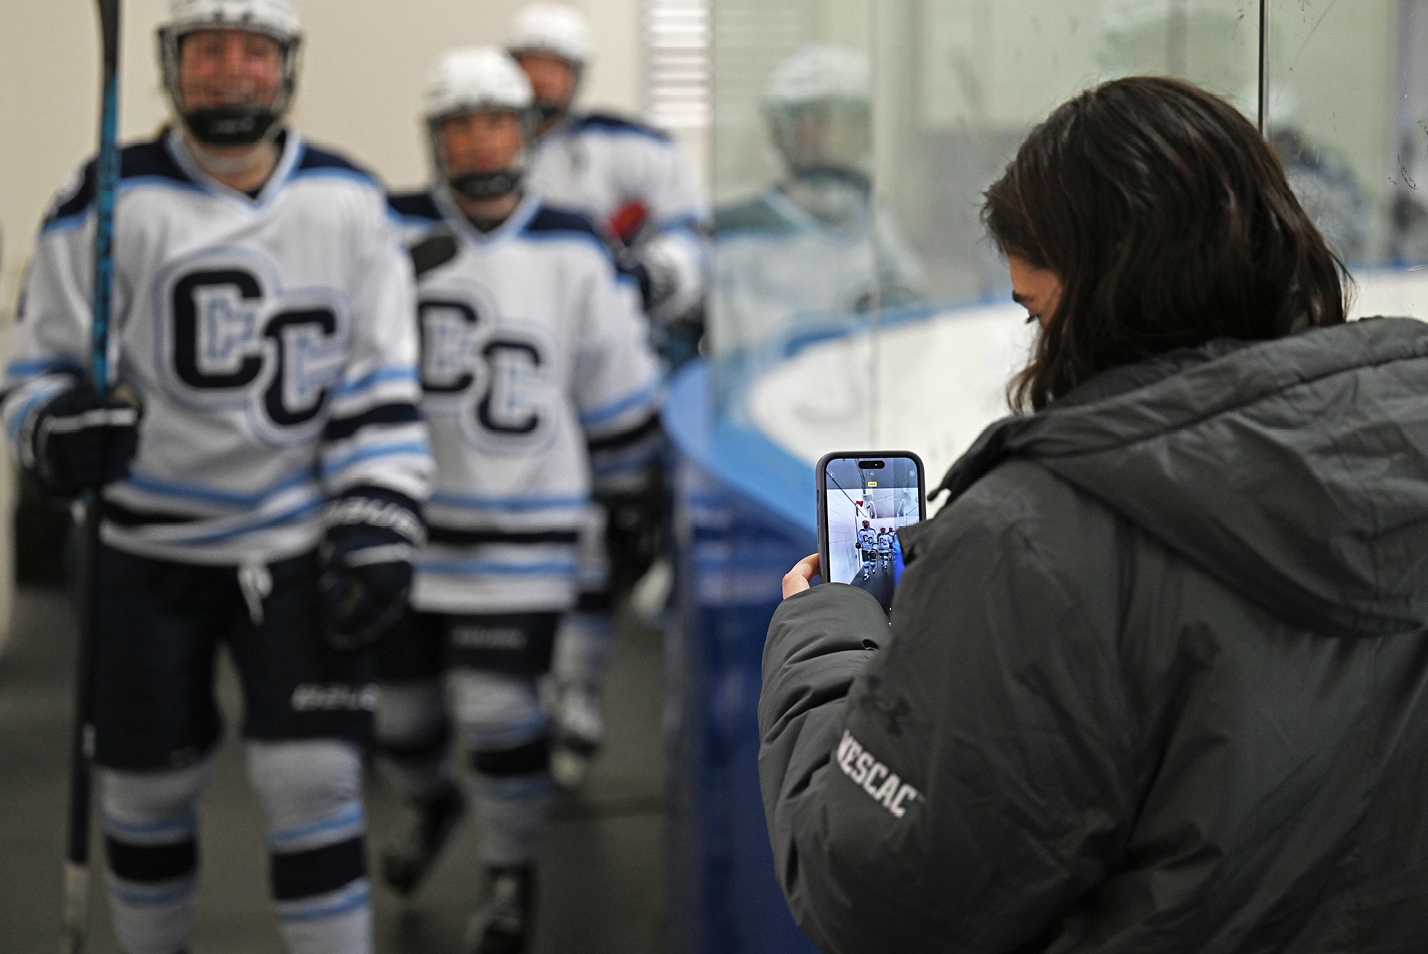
(1156, 680)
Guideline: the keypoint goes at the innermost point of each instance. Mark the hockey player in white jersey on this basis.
(261, 476)
(629, 178)
(810, 250)
(634, 183)
(868, 547)
(534, 360)
(885, 546)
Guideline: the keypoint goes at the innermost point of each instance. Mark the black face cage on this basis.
(527, 116)
(170, 40)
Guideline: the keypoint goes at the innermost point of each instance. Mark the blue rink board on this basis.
(743, 514)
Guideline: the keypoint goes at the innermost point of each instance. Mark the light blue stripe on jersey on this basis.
(562, 235)
(380, 376)
(333, 172)
(613, 410)
(264, 523)
(410, 221)
(509, 503)
(333, 467)
(39, 366)
(222, 498)
(496, 568)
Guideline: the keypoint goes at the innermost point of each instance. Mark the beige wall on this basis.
(362, 71)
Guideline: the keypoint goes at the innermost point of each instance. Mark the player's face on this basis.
(826, 133)
(552, 79)
(479, 142)
(1035, 289)
(229, 68)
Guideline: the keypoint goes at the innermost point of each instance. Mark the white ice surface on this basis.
(943, 379)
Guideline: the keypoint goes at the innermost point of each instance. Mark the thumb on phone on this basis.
(801, 576)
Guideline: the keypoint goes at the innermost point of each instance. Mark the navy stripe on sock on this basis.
(151, 863)
(306, 874)
(523, 760)
(417, 751)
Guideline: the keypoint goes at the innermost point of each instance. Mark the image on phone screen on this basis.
(868, 499)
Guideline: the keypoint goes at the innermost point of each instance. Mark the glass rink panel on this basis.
(855, 299)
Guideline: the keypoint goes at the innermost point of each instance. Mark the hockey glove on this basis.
(656, 276)
(79, 440)
(634, 534)
(366, 565)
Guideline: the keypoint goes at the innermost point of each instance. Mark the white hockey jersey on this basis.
(779, 271)
(867, 540)
(534, 355)
(610, 169)
(269, 339)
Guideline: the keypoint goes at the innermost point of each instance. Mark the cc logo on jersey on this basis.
(231, 337)
(493, 376)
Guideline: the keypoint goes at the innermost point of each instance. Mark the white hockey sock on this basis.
(510, 818)
(582, 648)
(311, 795)
(506, 730)
(150, 826)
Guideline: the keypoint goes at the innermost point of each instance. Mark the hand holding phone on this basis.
(864, 498)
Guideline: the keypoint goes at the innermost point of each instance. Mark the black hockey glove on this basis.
(634, 535)
(366, 565)
(79, 440)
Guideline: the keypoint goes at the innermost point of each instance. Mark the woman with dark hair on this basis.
(1157, 672)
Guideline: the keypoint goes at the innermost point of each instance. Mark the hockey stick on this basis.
(76, 869)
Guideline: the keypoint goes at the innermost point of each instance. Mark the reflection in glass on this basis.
(809, 249)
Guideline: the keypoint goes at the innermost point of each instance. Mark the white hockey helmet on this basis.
(819, 73)
(228, 126)
(473, 79)
(552, 28)
(817, 108)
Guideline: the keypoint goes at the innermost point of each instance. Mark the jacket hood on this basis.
(1295, 470)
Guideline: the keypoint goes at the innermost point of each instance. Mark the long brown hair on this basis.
(1168, 220)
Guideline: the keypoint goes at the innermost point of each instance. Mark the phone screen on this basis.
(866, 500)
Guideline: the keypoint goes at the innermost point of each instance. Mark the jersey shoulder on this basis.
(320, 161)
(754, 216)
(149, 160)
(610, 124)
(555, 222)
(414, 208)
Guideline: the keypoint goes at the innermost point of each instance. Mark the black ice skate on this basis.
(503, 923)
(409, 858)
